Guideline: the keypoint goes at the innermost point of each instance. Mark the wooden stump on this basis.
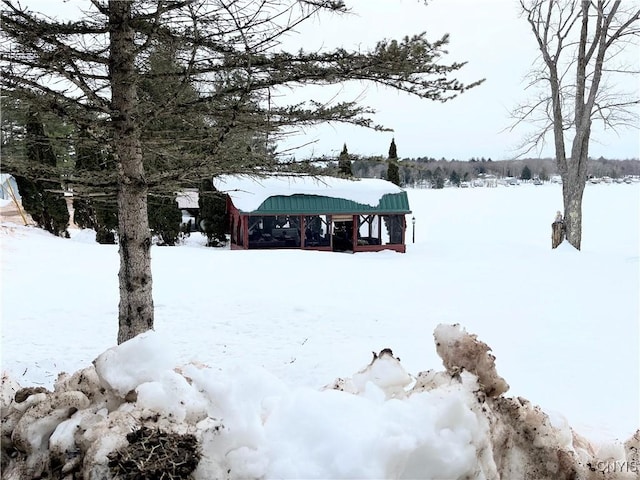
(557, 233)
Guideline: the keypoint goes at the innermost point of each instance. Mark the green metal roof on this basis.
(390, 203)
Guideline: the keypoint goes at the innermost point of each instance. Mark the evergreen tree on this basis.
(393, 175)
(526, 173)
(42, 199)
(106, 213)
(164, 219)
(344, 163)
(454, 178)
(83, 215)
(213, 217)
(170, 135)
(98, 213)
(393, 172)
(393, 151)
(438, 178)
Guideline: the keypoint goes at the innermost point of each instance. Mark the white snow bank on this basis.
(83, 235)
(249, 192)
(380, 423)
(142, 359)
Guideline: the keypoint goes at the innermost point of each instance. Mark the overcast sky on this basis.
(489, 34)
(498, 45)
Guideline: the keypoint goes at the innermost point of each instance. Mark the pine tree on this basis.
(344, 162)
(106, 213)
(526, 173)
(97, 213)
(160, 136)
(393, 172)
(393, 151)
(213, 217)
(42, 199)
(164, 219)
(454, 178)
(437, 180)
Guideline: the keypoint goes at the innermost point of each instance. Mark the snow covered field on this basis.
(562, 324)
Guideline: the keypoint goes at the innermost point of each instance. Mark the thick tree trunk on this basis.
(576, 179)
(576, 173)
(572, 195)
(136, 302)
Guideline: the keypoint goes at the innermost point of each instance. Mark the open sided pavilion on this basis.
(315, 213)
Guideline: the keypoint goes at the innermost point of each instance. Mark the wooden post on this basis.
(557, 231)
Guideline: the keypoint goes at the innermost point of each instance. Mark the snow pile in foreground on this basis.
(134, 414)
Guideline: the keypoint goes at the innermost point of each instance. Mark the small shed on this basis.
(315, 213)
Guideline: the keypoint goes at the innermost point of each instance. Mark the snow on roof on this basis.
(249, 192)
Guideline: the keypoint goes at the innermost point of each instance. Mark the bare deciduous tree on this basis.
(581, 44)
(229, 51)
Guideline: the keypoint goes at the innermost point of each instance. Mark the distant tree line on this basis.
(434, 172)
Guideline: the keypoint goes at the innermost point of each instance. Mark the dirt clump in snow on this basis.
(152, 453)
(24, 393)
(461, 350)
(525, 442)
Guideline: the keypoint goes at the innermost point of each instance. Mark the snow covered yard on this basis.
(276, 326)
